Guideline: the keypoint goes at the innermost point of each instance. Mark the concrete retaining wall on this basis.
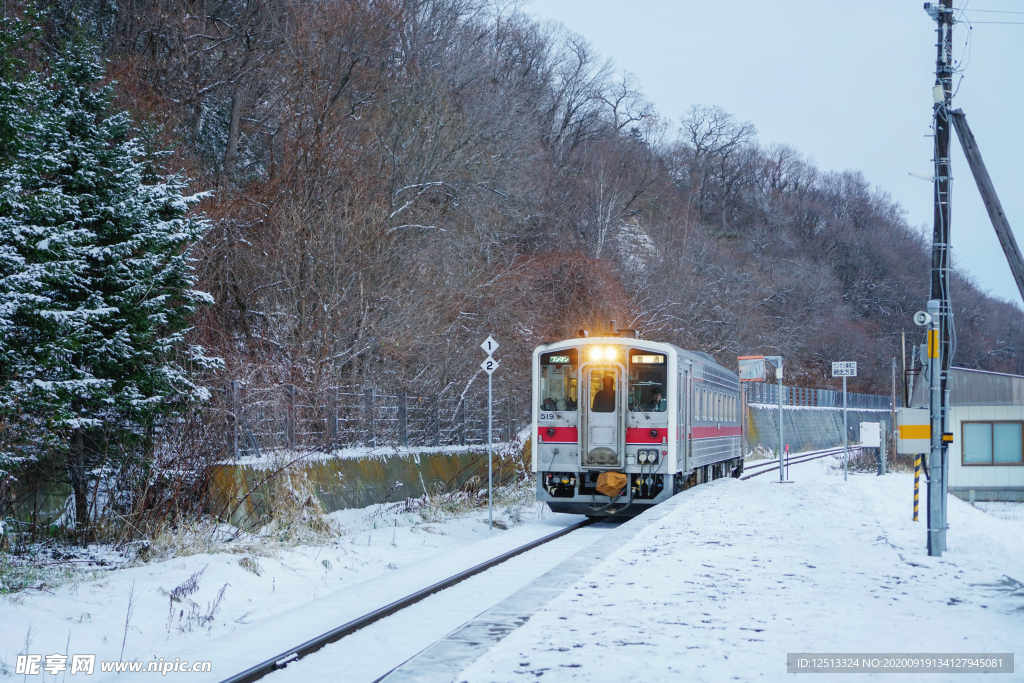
(242, 493)
(806, 429)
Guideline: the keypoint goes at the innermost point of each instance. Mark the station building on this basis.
(987, 422)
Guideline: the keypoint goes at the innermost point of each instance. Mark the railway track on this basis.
(773, 465)
(296, 653)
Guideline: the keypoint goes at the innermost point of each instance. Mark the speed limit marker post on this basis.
(845, 369)
(489, 365)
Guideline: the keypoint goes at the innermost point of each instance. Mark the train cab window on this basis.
(558, 380)
(648, 382)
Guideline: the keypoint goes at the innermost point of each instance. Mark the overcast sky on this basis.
(848, 84)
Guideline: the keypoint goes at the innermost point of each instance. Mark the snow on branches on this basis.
(95, 271)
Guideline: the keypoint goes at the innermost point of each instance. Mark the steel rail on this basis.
(310, 646)
(797, 460)
(773, 463)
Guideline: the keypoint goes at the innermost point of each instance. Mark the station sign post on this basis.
(489, 365)
(752, 369)
(845, 369)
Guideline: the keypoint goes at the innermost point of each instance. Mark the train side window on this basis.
(558, 380)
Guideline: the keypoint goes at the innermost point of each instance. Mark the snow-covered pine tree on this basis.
(95, 274)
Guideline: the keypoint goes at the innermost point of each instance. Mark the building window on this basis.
(992, 443)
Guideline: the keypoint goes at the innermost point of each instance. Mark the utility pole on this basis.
(777, 362)
(903, 377)
(778, 376)
(938, 306)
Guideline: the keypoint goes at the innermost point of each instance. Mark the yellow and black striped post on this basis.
(917, 482)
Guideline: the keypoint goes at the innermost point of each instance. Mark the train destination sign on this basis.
(651, 359)
(558, 360)
(844, 369)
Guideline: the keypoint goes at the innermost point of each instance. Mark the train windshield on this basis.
(558, 380)
(648, 381)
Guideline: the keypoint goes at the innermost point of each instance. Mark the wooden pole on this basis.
(371, 430)
(436, 419)
(332, 416)
(289, 417)
(234, 407)
(991, 199)
(403, 420)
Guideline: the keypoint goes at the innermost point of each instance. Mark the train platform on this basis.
(726, 579)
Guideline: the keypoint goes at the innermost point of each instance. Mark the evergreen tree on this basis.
(95, 277)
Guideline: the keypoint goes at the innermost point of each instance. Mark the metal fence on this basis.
(765, 392)
(261, 419)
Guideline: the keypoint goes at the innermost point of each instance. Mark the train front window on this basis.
(648, 382)
(558, 380)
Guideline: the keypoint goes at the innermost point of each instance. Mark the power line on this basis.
(992, 11)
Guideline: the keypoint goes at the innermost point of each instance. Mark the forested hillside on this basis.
(392, 181)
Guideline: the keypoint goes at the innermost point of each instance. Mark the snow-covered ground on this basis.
(731, 578)
(234, 591)
(741, 573)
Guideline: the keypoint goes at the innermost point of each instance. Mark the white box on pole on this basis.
(870, 435)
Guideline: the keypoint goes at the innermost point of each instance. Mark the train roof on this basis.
(697, 356)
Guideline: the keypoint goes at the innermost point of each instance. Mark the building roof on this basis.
(968, 387)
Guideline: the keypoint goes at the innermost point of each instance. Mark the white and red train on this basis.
(664, 417)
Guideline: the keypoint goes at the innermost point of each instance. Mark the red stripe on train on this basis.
(557, 435)
(635, 435)
(711, 432)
